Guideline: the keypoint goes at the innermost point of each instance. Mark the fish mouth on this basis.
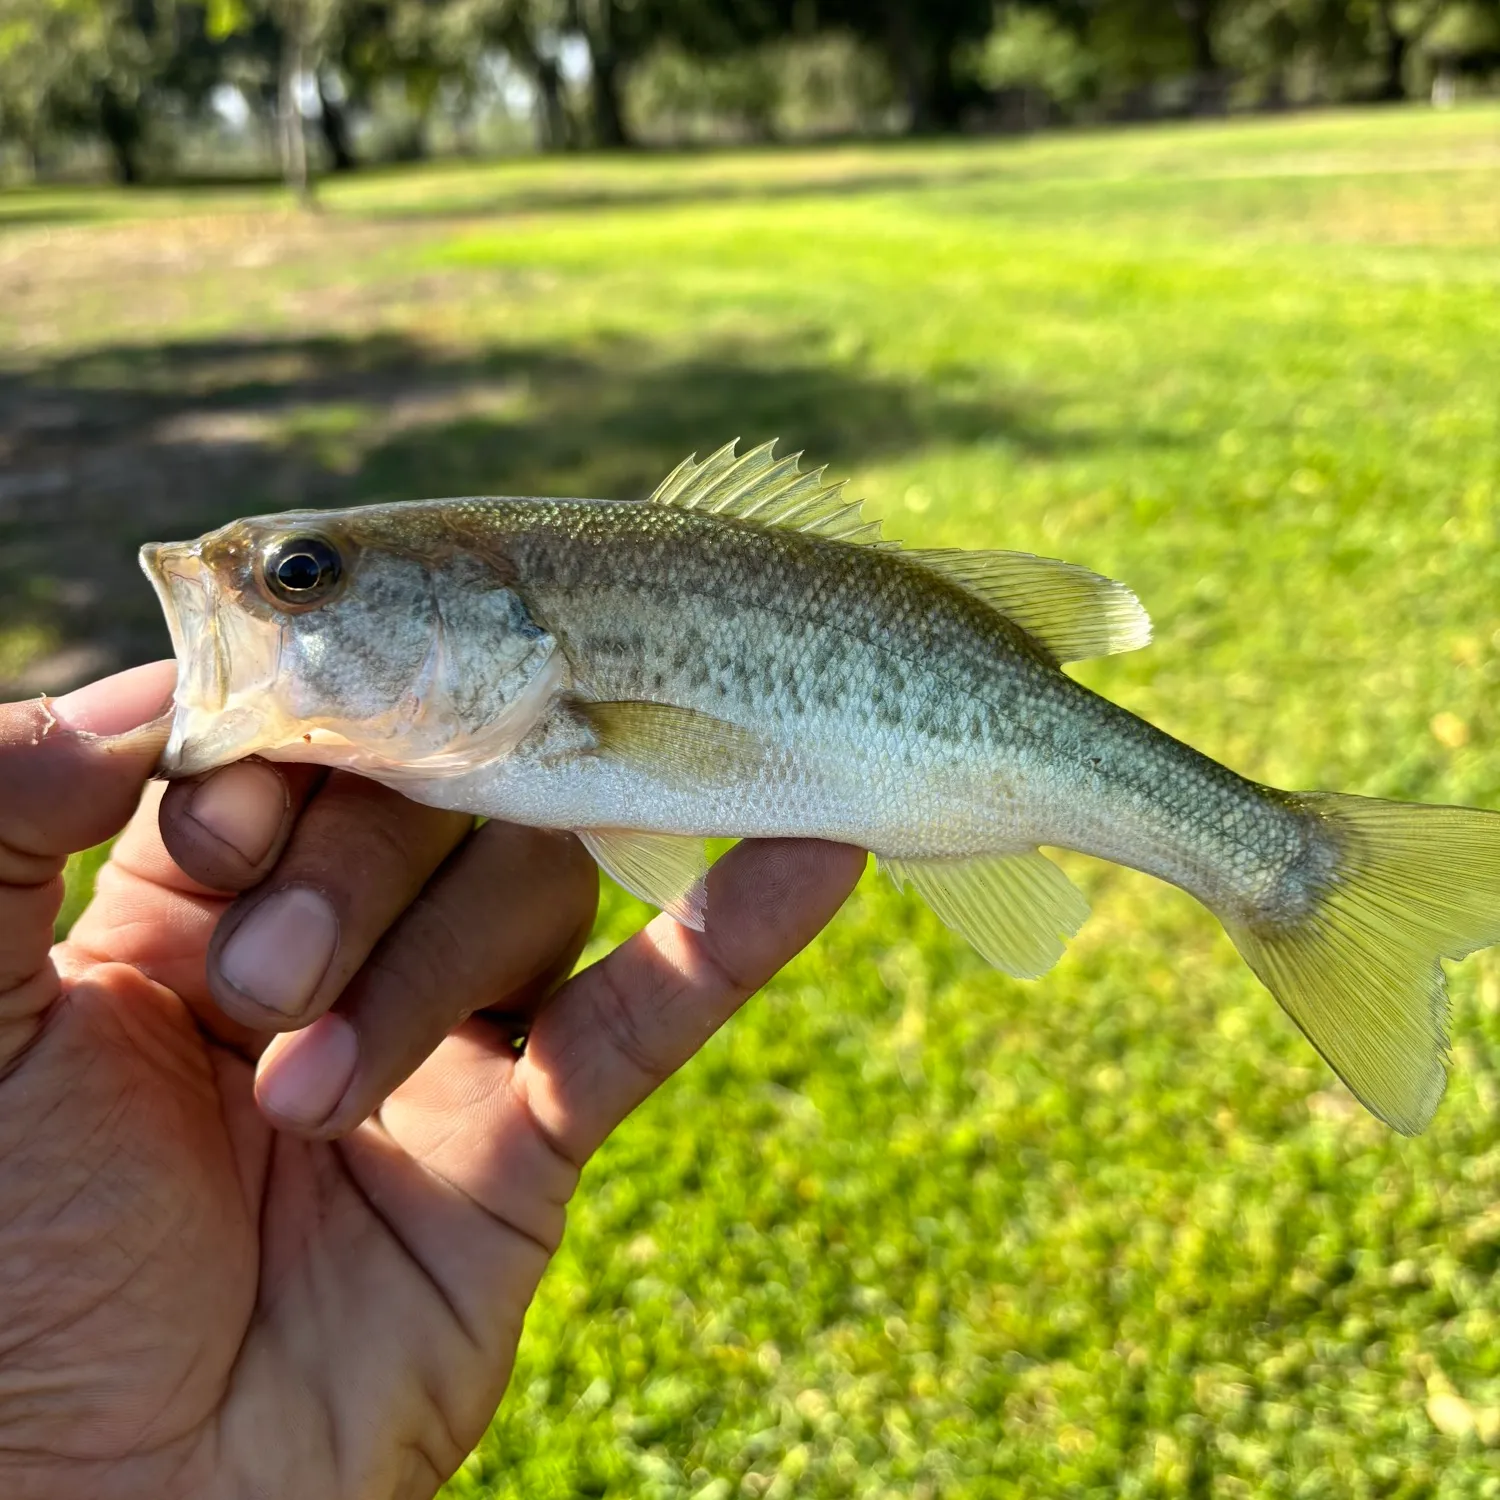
(208, 730)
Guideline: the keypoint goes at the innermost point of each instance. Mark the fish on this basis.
(745, 655)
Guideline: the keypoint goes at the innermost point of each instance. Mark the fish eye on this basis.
(302, 571)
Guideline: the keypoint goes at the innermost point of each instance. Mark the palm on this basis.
(136, 1175)
(195, 1303)
(248, 1252)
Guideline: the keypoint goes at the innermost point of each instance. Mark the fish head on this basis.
(353, 638)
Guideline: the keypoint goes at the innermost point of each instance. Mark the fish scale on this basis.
(744, 656)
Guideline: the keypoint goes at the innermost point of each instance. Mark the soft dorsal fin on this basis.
(1074, 613)
(757, 486)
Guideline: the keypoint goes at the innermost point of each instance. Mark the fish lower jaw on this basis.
(202, 740)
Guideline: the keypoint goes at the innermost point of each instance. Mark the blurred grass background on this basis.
(909, 1228)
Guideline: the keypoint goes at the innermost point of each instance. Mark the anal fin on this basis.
(1016, 909)
(666, 870)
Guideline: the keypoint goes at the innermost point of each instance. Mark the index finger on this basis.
(71, 770)
(622, 1027)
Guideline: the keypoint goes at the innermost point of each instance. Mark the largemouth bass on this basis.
(742, 655)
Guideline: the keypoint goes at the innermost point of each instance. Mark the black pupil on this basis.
(299, 572)
(302, 570)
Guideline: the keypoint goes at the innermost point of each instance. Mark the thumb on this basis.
(71, 773)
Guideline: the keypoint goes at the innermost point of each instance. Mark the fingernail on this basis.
(116, 704)
(242, 806)
(279, 953)
(302, 1077)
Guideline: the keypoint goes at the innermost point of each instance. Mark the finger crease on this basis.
(407, 1248)
(23, 868)
(721, 975)
(616, 1012)
(500, 1219)
(551, 1141)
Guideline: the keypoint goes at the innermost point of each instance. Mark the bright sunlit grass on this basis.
(909, 1228)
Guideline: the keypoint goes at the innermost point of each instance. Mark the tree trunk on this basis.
(1197, 16)
(1392, 86)
(609, 118)
(288, 111)
(122, 128)
(921, 57)
(605, 74)
(334, 124)
(551, 117)
(1208, 80)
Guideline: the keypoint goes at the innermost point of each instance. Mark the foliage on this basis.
(923, 43)
(1031, 48)
(383, 70)
(906, 1227)
(99, 66)
(826, 84)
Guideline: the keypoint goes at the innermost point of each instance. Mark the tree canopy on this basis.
(337, 81)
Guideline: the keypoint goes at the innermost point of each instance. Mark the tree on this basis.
(306, 43)
(45, 47)
(1032, 53)
(529, 33)
(922, 42)
(333, 122)
(606, 26)
(1400, 26)
(292, 31)
(619, 33)
(1198, 17)
(101, 67)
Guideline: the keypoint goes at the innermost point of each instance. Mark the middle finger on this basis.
(358, 856)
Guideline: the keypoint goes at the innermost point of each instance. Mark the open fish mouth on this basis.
(208, 728)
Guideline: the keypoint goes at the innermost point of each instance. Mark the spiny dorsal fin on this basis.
(1016, 909)
(1074, 613)
(757, 486)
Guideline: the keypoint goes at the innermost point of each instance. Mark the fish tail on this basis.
(1351, 950)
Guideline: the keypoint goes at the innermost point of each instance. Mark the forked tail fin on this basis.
(1358, 968)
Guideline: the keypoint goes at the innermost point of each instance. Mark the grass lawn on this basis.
(910, 1228)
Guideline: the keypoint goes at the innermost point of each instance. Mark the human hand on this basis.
(195, 1303)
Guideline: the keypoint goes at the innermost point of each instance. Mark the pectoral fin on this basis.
(679, 745)
(1016, 909)
(664, 869)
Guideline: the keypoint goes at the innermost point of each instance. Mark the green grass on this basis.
(908, 1228)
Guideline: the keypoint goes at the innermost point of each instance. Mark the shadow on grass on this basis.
(125, 444)
(498, 195)
(566, 194)
(17, 213)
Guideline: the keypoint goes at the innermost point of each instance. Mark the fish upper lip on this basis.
(176, 572)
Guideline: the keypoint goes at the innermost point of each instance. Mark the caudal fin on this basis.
(1358, 967)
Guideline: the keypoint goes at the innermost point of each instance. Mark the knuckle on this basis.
(723, 973)
(21, 867)
(387, 838)
(624, 1021)
(545, 854)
